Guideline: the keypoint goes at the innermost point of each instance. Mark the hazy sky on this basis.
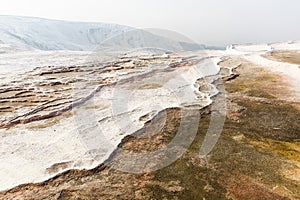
(213, 22)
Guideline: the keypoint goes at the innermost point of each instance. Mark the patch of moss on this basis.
(252, 82)
(288, 150)
(65, 195)
(259, 93)
(193, 178)
(274, 121)
(233, 87)
(233, 158)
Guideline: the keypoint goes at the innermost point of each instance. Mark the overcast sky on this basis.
(212, 22)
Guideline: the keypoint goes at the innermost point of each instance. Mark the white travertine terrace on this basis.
(76, 121)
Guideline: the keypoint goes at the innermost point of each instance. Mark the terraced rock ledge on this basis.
(257, 155)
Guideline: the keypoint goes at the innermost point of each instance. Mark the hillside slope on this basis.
(45, 34)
